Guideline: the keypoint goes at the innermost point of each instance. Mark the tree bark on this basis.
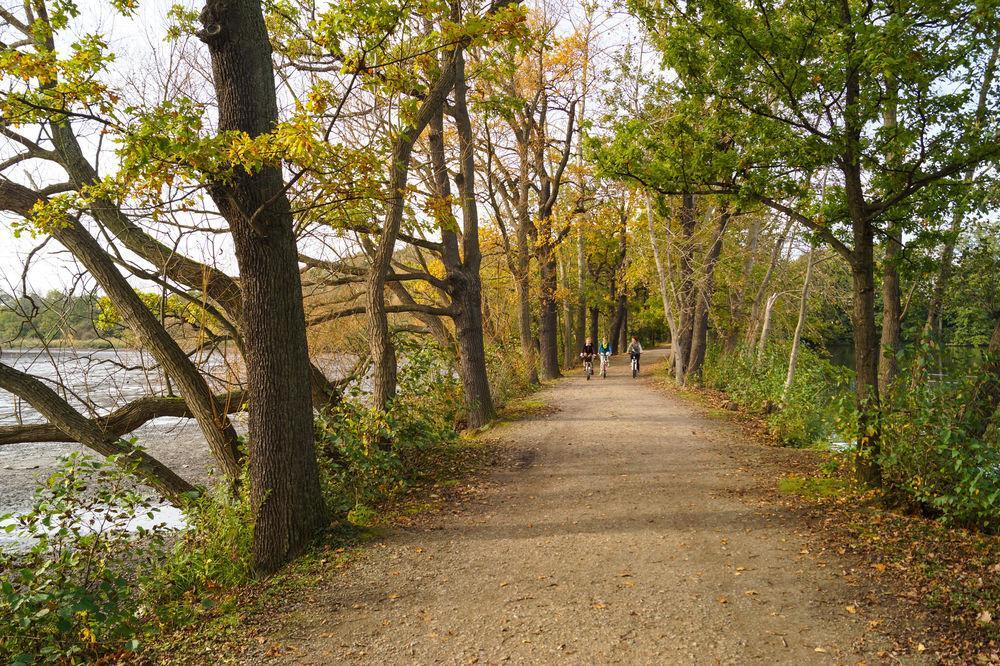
(740, 302)
(121, 421)
(465, 283)
(547, 318)
(699, 340)
(595, 314)
(765, 328)
(568, 342)
(284, 477)
(80, 429)
(752, 323)
(981, 406)
(668, 310)
(687, 289)
(892, 318)
(793, 356)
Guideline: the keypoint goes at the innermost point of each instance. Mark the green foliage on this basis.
(931, 457)
(70, 597)
(88, 586)
(816, 406)
(366, 455)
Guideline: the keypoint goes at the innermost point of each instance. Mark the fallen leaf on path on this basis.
(819, 649)
(600, 606)
(880, 567)
(722, 600)
(985, 617)
(851, 609)
(504, 584)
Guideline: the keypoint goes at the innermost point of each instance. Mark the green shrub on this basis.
(930, 458)
(815, 406)
(87, 586)
(68, 597)
(366, 455)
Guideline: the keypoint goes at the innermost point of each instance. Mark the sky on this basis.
(135, 40)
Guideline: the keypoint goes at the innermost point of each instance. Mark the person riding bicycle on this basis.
(634, 350)
(588, 350)
(604, 349)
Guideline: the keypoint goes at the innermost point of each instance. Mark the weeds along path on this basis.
(628, 535)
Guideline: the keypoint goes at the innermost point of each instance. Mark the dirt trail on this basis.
(626, 536)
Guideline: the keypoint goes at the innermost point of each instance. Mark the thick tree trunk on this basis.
(866, 348)
(78, 428)
(793, 356)
(466, 284)
(284, 477)
(595, 315)
(687, 289)
(699, 339)
(547, 318)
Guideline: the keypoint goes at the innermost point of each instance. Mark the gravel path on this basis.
(632, 532)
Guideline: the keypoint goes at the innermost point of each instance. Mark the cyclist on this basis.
(604, 350)
(587, 354)
(634, 350)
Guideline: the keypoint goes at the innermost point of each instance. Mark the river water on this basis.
(96, 382)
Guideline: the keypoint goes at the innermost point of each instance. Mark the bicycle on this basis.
(588, 366)
(604, 366)
(635, 365)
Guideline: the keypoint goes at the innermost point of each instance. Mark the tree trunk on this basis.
(595, 314)
(668, 310)
(699, 340)
(892, 323)
(751, 333)
(623, 331)
(60, 414)
(284, 477)
(865, 354)
(581, 293)
(739, 309)
(468, 289)
(548, 325)
(765, 328)
(568, 343)
(687, 289)
(793, 357)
